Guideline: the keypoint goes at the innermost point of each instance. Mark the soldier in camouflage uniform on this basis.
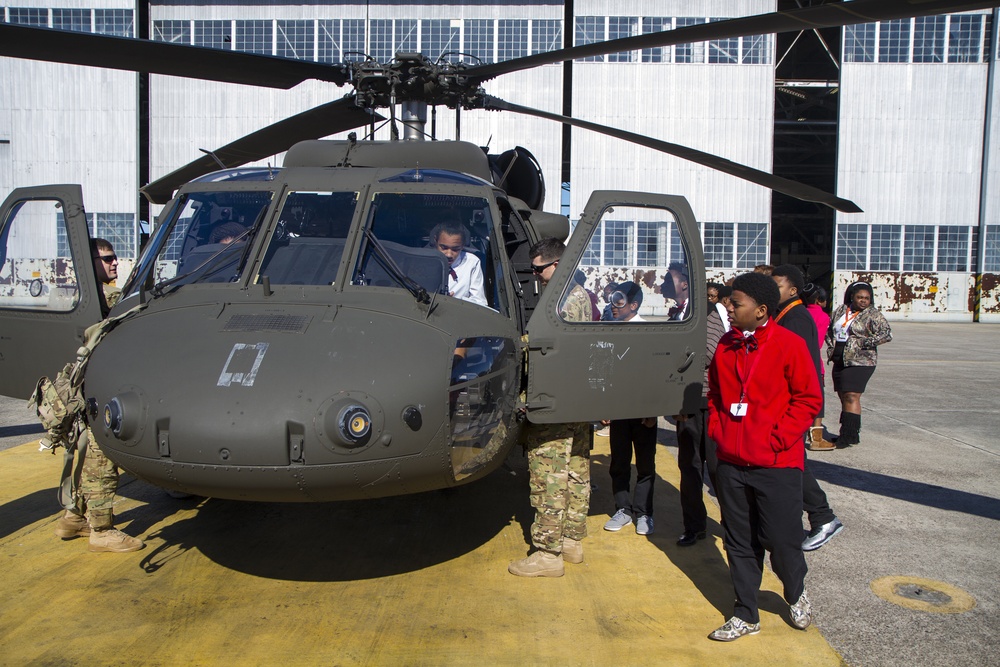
(558, 457)
(95, 493)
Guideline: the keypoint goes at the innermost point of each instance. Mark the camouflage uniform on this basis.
(559, 480)
(99, 480)
(559, 463)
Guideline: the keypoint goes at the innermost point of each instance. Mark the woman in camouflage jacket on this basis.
(856, 330)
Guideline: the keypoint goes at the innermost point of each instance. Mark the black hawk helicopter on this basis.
(314, 351)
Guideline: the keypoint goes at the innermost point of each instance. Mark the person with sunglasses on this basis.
(94, 496)
(558, 455)
(106, 270)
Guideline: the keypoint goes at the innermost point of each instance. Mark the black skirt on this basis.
(849, 379)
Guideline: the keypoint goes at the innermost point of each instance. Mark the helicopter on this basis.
(314, 352)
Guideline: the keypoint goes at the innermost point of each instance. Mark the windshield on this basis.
(207, 238)
(441, 242)
(308, 241)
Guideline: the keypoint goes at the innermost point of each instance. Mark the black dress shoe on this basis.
(690, 538)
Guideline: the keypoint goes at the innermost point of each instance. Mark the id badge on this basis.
(738, 409)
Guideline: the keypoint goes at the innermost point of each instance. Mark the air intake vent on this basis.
(273, 323)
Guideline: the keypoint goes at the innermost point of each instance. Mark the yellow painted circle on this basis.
(923, 594)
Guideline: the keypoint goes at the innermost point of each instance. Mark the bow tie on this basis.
(749, 342)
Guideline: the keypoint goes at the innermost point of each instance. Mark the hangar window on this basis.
(116, 22)
(478, 41)
(177, 32)
(918, 248)
(546, 35)
(928, 39)
(589, 30)
(32, 16)
(965, 39)
(884, 248)
(513, 39)
(78, 20)
(439, 36)
(852, 247)
(295, 39)
(953, 248)
(213, 34)
(991, 258)
(255, 37)
(651, 24)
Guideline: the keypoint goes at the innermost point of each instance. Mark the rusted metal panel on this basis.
(989, 301)
(914, 296)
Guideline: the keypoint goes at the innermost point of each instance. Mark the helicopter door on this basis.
(646, 356)
(48, 289)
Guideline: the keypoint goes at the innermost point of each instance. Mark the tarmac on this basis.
(422, 580)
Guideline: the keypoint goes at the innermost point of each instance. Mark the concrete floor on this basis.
(422, 579)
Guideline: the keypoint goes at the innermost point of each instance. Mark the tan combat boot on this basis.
(114, 540)
(538, 564)
(572, 550)
(816, 441)
(72, 525)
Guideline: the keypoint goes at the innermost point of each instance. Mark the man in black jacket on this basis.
(795, 317)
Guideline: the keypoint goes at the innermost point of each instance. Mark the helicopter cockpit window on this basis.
(208, 238)
(442, 242)
(634, 270)
(308, 241)
(36, 265)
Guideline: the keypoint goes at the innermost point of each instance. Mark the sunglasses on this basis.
(108, 259)
(538, 268)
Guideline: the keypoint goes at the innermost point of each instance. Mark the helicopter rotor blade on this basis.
(141, 55)
(776, 183)
(804, 18)
(318, 122)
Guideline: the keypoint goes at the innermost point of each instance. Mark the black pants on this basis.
(814, 500)
(762, 510)
(695, 452)
(626, 434)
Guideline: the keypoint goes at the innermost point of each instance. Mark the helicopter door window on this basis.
(634, 270)
(37, 270)
(208, 237)
(308, 241)
(443, 242)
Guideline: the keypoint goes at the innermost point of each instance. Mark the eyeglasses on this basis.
(538, 268)
(107, 259)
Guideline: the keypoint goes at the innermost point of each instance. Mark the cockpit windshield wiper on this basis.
(389, 264)
(212, 263)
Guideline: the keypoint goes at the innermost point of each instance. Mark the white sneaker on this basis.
(733, 629)
(644, 525)
(620, 519)
(801, 612)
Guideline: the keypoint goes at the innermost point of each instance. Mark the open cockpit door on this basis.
(650, 360)
(48, 289)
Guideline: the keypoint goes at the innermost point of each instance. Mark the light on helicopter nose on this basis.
(355, 424)
(113, 416)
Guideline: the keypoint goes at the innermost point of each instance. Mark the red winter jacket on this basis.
(782, 396)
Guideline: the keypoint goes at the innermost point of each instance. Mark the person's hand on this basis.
(649, 422)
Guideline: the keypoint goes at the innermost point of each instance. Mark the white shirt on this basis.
(465, 279)
(724, 314)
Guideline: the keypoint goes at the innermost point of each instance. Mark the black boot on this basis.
(850, 429)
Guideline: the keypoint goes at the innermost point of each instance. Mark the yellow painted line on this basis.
(420, 580)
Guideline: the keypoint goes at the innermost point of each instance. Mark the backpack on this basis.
(59, 404)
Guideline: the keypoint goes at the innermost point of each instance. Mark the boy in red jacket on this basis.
(762, 396)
